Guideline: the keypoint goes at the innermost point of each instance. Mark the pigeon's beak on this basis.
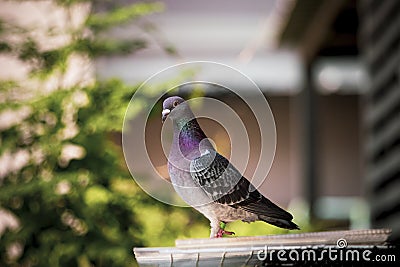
(164, 114)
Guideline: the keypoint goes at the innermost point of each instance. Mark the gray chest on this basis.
(186, 188)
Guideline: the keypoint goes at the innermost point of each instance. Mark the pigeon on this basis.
(208, 182)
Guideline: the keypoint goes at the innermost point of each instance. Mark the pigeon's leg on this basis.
(214, 228)
(222, 231)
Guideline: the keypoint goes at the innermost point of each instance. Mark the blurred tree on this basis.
(66, 197)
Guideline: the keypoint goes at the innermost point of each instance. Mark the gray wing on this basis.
(224, 184)
(217, 177)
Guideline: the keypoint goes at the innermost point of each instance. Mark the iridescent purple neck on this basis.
(190, 136)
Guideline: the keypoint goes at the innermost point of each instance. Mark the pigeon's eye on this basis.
(175, 103)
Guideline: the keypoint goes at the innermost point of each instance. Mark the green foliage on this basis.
(121, 15)
(65, 181)
(68, 208)
(108, 47)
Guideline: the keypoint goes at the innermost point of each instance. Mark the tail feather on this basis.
(282, 223)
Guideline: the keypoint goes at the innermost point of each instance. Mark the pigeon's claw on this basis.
(221, 232)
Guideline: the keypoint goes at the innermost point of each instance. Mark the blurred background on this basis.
(329, 70)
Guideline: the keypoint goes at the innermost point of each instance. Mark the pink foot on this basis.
(222, 232)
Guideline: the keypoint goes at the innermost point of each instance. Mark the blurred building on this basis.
(379, 37)
(328, 110)
(337, 46)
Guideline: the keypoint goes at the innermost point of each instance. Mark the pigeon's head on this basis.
(173, 103)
